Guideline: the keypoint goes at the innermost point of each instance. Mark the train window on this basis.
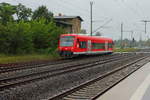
(82, 44)
(66, 41)
(98, 46)
(110, 45)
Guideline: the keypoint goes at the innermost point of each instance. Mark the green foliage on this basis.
(45, 35)
(4, 59)
(4, 37)
(126, 50)
(23, 13)
(42, 12)
(6, 13)
(25, 35)
(15, 38)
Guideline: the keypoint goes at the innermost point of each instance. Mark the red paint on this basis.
(94, 39)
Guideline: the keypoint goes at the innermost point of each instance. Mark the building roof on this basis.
(64, 23)
(68, 17)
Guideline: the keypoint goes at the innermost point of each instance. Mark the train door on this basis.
(106, 45)
(81, 46)
(89, 46)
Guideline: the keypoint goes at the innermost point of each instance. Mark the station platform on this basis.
(134, 87)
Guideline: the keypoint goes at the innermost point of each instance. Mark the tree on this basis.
(23, 13)
(42, 12)
(15, 38)
(6, 13)
(24, 36)
(45, 35)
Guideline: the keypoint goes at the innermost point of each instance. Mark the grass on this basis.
(125, 50)
(4, 59)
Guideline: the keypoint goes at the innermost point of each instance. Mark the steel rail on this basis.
(35, 65)
(81, 86)
(10, 82)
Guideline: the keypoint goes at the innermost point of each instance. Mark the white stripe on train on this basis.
(92, 52)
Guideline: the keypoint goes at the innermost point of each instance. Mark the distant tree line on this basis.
(132, 43)
(25, 31)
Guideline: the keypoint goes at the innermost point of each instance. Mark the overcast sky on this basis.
(130, 12)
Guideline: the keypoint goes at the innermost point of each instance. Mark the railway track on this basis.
(40, 62)
(93, 88)
(6, 83)
(44, 79)
(51, 68)
(24, 66)
(20, 66)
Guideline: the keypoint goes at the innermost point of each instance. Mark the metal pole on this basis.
(132, 42)
(91, 5)
(121, 35)
(145, 21)
(145, 26)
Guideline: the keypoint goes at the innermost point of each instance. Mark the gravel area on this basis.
(47, 68)
(54, 85)
(99, 87)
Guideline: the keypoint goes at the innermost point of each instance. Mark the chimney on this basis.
(59, 14)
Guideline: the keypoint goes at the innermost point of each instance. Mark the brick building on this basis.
(71, 24)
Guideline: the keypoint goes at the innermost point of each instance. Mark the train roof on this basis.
(88, 37)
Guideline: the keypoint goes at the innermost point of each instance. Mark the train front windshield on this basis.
(66, 41)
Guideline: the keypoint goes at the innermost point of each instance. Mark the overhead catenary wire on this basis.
(131, 8)
(135, 11)
(141, 10)
(82, 8)
(77, 6)
(70, 7)
(102, 25)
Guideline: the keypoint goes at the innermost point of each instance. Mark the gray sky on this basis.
(130, 12)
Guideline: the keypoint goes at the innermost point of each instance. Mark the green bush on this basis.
(45, 36)
(15, 38)
(26, 34)
(27, 37)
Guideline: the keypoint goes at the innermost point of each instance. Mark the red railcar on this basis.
(75, 44)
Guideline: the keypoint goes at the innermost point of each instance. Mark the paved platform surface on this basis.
(134, 87)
